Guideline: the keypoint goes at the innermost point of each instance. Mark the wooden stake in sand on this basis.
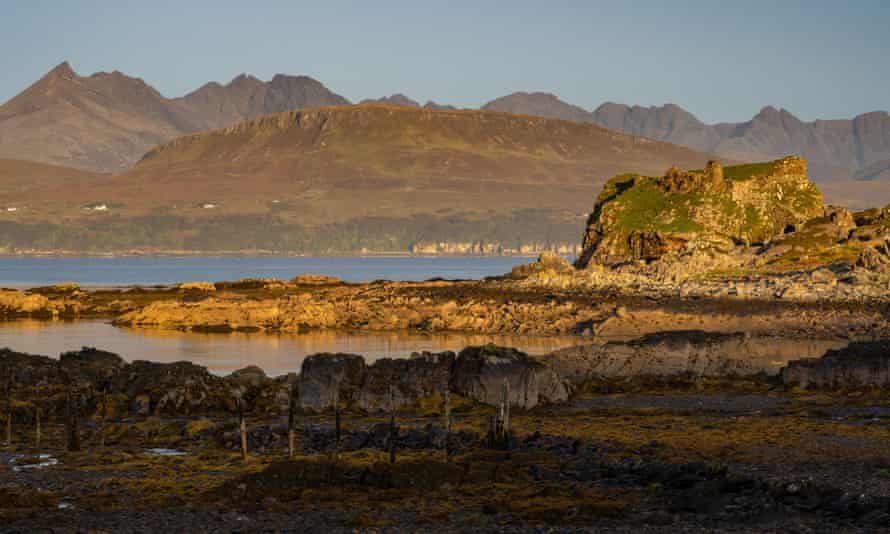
(37, 429)
(72, 434)
(9, 413)
(102, 415)
(506, 422)
(392, 426)
(242, 427)
(292, 422)
(447, 424)
(337, 419)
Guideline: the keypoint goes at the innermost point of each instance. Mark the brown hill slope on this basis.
(376, 159)
(106, 121)
(875, 172)
(348, 178)
(26, 181)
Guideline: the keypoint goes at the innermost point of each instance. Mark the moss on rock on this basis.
(643, 218)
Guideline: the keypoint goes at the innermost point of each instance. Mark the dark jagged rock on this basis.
(323, 375)
(250, 376)
(91, 366)
(27, 370)
(179, 387)
(480, 374)
(423, 375)
(863, 364)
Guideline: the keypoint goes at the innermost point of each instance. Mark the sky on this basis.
(721, 60)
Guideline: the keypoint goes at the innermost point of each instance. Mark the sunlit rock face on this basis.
(641, 218)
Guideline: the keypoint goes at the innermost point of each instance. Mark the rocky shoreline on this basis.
(590, 446)
(731, 374)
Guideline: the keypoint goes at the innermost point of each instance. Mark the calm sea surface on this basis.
(31, 272)
(223, 353)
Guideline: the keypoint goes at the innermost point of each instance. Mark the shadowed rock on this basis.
(420, 376)
(864, 364)
(91, 366)
(324, 374)
(480, 373)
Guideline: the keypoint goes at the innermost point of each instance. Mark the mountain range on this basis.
(107, 121)
(835, 149)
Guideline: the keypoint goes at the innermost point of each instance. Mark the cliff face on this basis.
(645, 218)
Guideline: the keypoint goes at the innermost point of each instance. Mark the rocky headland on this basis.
(730, 373)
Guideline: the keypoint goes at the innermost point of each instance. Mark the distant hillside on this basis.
(399, 99)
(26, 182)
(106, 121)
(340, 179)
(835, 149)
(879, 171)
(540, 105)
(408, 158)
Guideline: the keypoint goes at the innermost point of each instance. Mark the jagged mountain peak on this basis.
(63, 70)
(397, 99)
(245, 80)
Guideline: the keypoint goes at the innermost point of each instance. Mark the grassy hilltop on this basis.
(763, 215)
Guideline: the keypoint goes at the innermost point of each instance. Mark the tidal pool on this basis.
(223, 353)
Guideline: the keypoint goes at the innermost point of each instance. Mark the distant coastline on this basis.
(254, 253)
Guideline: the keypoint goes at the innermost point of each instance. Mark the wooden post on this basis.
(9, 414)
(292, 422)
(242, 427)
(337, 429)
(392, 427)
(72, 435)
(506, 421)
(37, 429)
(102, 416)
(447, 424)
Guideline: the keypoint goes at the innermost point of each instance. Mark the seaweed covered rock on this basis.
(861, 364)
(248, 377)
(174, 388)
(27, 370)
(640, 218)
(326, 376)
(91, 366)
(547, 262)
(480, 373)
(423, 375)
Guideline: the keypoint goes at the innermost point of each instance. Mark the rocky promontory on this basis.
(639, 218)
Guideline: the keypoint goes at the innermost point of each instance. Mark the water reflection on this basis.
(223, 353)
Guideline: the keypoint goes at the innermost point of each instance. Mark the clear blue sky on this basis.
(722, 61)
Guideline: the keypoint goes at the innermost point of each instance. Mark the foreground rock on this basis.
(682, 354)
(183, 388)
(378, 306)
(860, 365)
(476, 373)
(482, 373)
